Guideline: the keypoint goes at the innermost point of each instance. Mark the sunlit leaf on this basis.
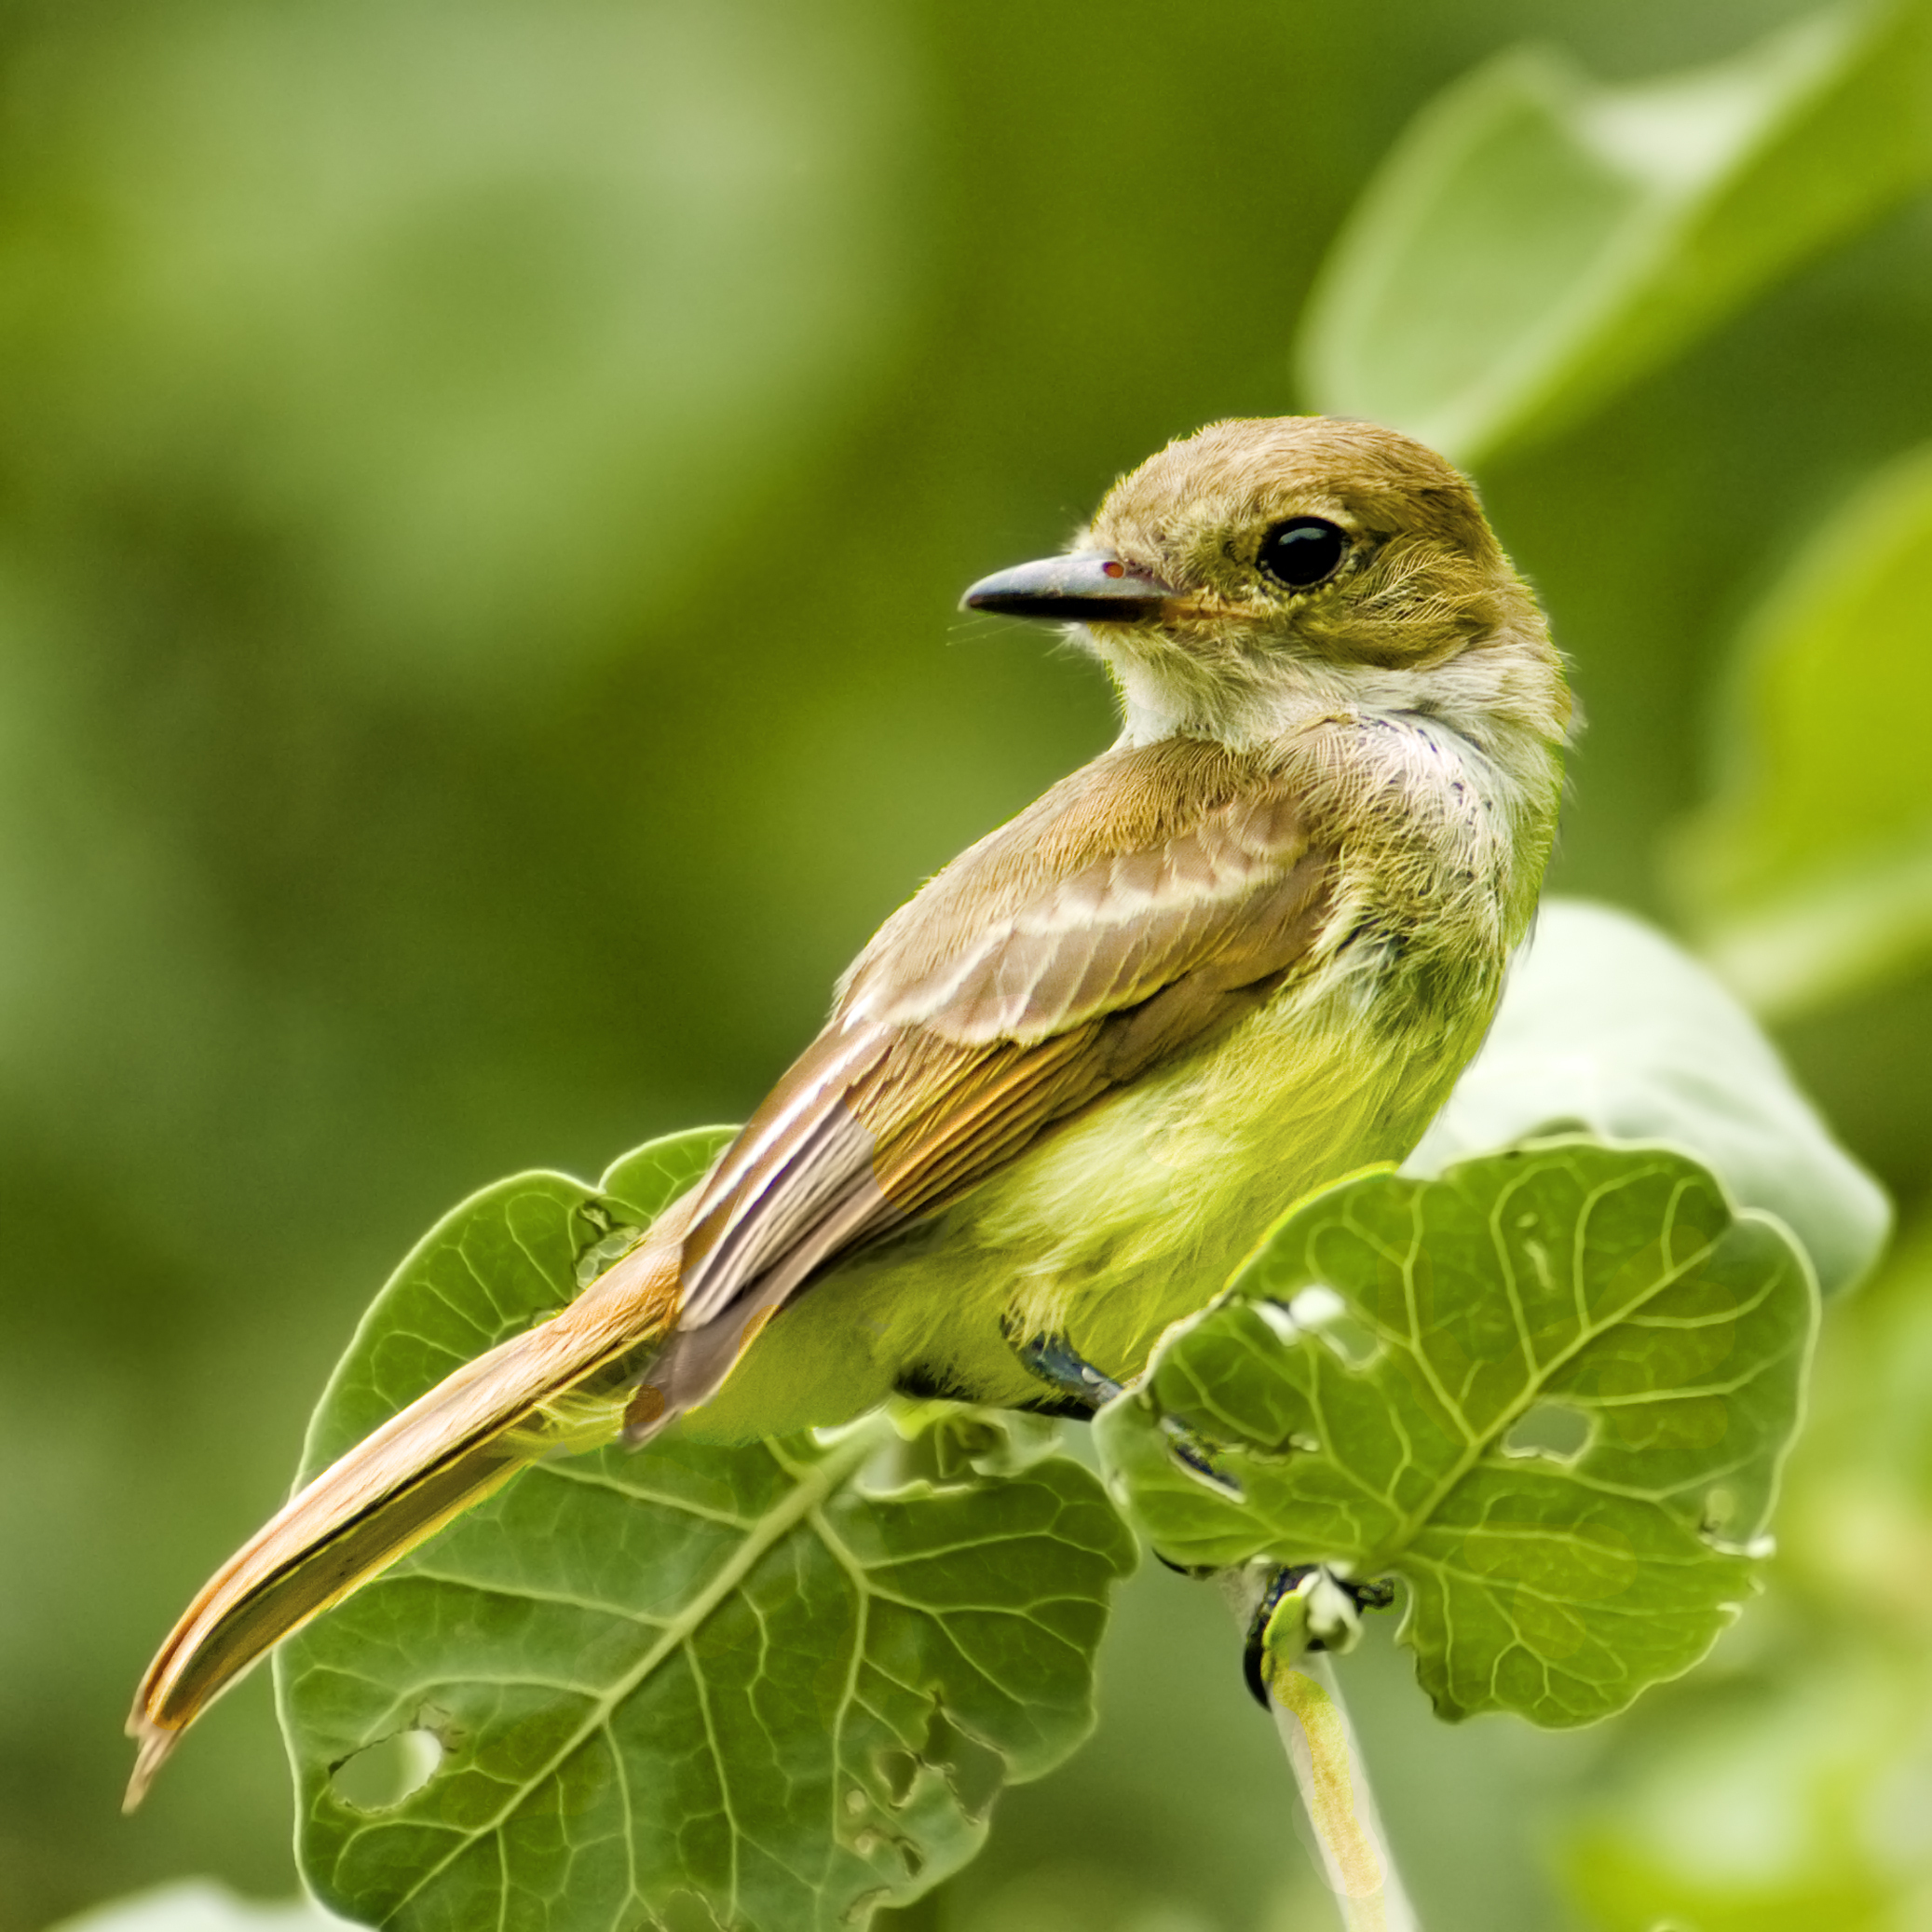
(198, 1905)
(1810, 875)
(1386, 1382)
(1537, 240)
(696, 1686)
(1609, 1025)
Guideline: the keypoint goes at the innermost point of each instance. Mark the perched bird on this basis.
(1066, 1086)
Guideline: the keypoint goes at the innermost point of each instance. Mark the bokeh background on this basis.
(483, 492)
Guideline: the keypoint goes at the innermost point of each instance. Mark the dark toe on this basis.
(1254, 1653)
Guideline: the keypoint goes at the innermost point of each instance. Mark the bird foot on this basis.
(1307, 1607)
(1078, 1387)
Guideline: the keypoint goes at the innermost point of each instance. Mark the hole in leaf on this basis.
(898, 1769)
(610, 1241)
(974, 1771)
(384, 1773)
(910, 1856)
(1353, 1340)
(1549, 1429)
(1319, 1309)
(1316, 1306)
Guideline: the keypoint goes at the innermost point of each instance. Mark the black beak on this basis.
(1090, 587)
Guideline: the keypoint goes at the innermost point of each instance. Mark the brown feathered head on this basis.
(1264, 564)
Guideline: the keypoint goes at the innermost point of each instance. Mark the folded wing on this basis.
(1058, 959)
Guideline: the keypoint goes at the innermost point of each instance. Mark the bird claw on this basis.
(1307, 1607)
(1188, 1450)
(1081, 1387)
(1083, 1390)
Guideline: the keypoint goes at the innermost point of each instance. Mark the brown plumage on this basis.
(1240, 954)
(1139, 905)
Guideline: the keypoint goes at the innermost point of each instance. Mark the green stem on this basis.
(1334, 1784)
(1305, 1702)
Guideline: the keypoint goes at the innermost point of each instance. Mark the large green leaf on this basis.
(1537, 241)
(1388, 1385)
(1810, 875)
(199, 1905)
(748, 1688)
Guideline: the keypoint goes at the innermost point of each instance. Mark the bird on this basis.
(1242, 954)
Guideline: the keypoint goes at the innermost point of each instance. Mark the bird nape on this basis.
(1243, 952)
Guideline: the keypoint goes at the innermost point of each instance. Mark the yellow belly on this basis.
(1111, 1226)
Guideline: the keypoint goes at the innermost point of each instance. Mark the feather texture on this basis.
(1137, 910)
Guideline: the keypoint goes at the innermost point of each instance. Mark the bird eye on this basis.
(1302, 552)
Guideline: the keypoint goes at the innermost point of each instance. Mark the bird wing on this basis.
(1140, 907)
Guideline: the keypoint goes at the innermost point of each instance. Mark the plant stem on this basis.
(1333, 1780)
(1305, 1702)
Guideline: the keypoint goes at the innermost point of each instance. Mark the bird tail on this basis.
(531, 1395)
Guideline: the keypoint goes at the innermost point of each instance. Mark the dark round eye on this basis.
(1302, 553)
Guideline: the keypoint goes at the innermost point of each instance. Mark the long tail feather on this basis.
(444, 1453)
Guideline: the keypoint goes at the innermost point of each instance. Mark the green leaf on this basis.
(500, 1261)
(199, 1905)
(1389, 1384)
(1537, 241)
(696, 1686)
(1809, 877)
(1608, 1027)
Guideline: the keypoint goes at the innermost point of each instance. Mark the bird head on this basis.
(1267, 568)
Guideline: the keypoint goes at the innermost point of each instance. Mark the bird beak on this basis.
(1090, 587)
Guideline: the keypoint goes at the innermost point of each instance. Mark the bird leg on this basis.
(1080, 1389)
(1326, 1608)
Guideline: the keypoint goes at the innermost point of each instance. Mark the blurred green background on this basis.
(483, 492)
